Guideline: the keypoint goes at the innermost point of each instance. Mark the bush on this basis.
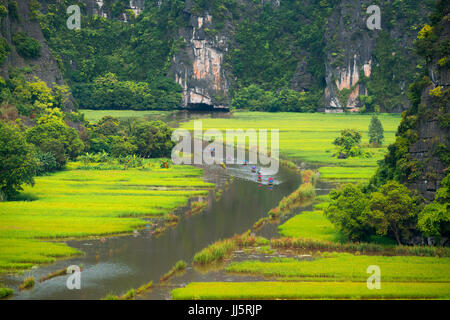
(54, 136)
(153, 140)
(4, 50)
(46, 162)
(348, 212)
(27, 46)
(348, 143)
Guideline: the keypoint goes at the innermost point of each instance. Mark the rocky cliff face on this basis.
(351, 56)
(432, 147)
(198, 66)
(45, 66)
(351, 47)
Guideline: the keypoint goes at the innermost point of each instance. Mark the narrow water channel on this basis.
(126, 262)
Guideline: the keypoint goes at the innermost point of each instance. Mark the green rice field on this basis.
(310, 290)
(81, 203)
(348, 267)
(309, 137)
(310, 225)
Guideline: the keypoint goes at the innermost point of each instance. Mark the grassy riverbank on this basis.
(79, 203)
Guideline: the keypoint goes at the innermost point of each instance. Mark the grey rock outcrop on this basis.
(198, 66)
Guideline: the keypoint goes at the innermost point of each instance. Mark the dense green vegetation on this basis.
(268, 49)
(110, 64)
(26, 46)
(17, 165)
(376, 132)
(386, 205)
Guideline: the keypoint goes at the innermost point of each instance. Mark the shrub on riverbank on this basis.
(221, 249)
(28, 283)
(179, 266)
(304, 194)
(6, 292)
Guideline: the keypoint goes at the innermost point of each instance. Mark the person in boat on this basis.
(270, 181)
(253, 169)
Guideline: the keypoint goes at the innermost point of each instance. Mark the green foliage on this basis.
(27, 46)
(394, 66)
(107, 92)
(434, 219)
(46, 162)
(153, 139)
(270, 40)
(256, 99)
(17, 161)
(138, 53)
(5, 292)
(4, 49)
(348, 211)
(13, 10)
(348, 143)
(398, 164)
(121, 148)
(391, 210)
(54, 136)
(376, 132)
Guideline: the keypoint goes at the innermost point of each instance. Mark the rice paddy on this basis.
(81, 203)
(309, 137)
(348, 267)
(310, 290)
(310, 225)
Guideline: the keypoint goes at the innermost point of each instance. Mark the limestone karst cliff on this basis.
(44, 66)
(198, 66)
(325, 49)
(431, 147)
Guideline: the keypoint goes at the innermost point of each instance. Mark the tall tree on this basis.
(391, 210)
(376, 132)
(17, 161)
